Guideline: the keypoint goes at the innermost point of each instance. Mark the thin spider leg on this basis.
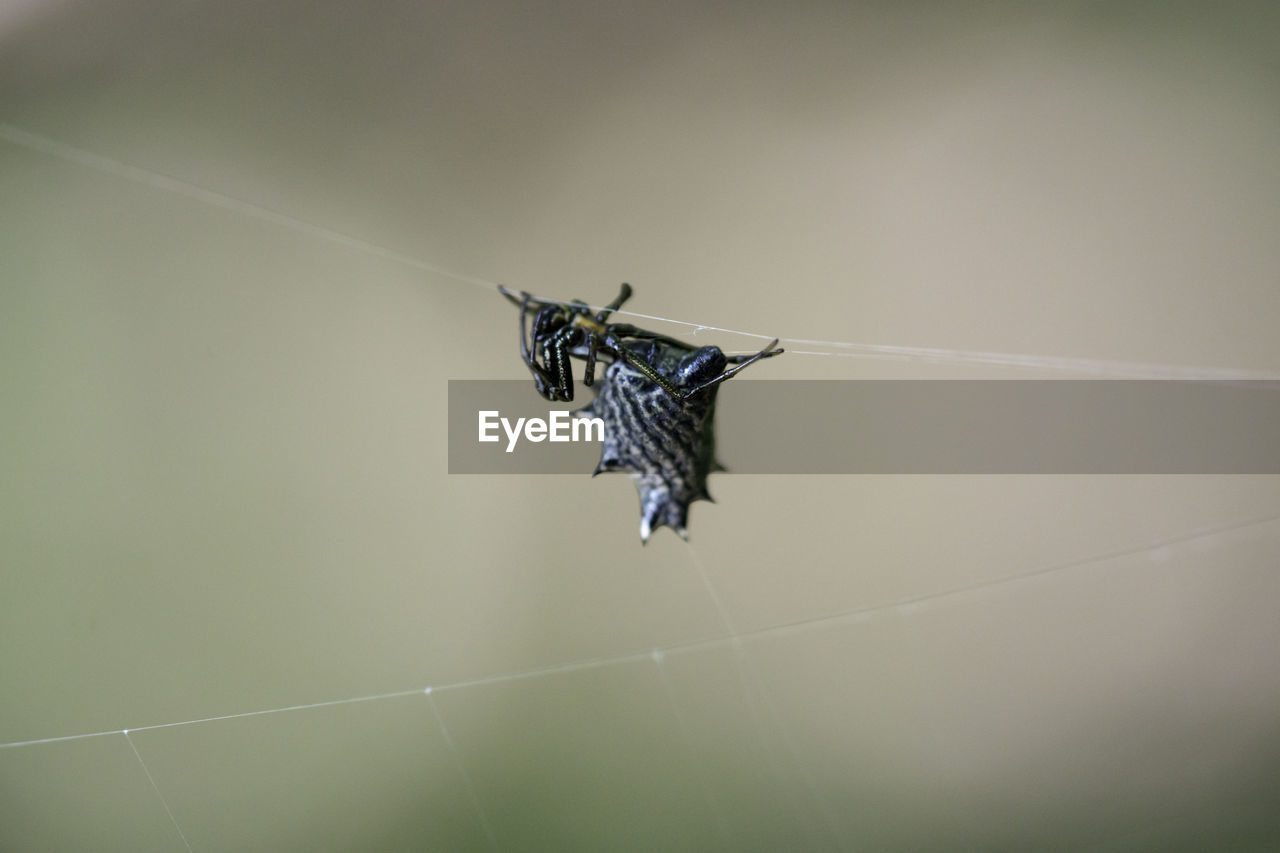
(626, 330)
(739, 359)
(555, 353)
(764, 353)
(524, 339)
(623, 295)
(525, 300)
(645, 368)
(518, 299)
(589, 372)
(543, 379)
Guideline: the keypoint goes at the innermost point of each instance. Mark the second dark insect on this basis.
(561, 330)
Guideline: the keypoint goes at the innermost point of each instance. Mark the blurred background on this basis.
(245, 246)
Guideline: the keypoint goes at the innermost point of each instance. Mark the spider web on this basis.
(846, 349)
(806, 793)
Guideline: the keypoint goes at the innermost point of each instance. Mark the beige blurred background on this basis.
(223, 457)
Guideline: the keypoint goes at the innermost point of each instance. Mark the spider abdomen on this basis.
(666, 444)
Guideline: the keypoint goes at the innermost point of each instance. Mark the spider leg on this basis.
(643, 367)
(524, 339)
(623, 295)
(589, 372)
(546, 383)
(739, 359)
(542, 380)
(526, 300)
(521, 299)
(555, 352)
(626, 330)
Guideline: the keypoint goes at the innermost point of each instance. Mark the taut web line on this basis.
(848, 349)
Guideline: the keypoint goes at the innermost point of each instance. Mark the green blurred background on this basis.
(223, 481)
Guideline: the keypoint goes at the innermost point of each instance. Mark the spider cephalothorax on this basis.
(657, 400)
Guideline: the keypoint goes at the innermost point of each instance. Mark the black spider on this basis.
(564, 329)
(657, 401)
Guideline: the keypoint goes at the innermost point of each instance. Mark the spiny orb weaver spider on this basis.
(657, 401)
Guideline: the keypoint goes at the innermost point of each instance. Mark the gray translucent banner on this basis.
(919, 427)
